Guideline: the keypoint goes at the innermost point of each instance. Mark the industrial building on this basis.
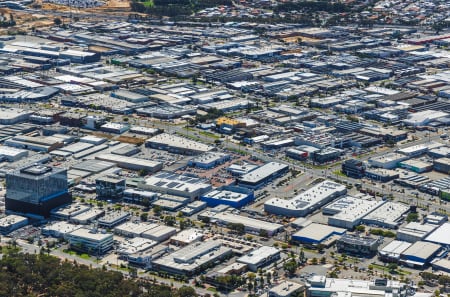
(356, 245)
(193, 258)
(393, 251)
(416, 165)
(321, 286)
(233, 196)
(251, 225)
(113, 219)
(349, 211)
(40, 144)
(442, 165)
(131, 163)
(12, 222)
(66, 212)
(137, 196)
(440, 235)
(110, 187)
(159, 233)
(176, 184)
(260, 257)
(91, 242)
(318, 234)
(307, 201)
(11, 154)
(387, 161)
(257, 178)
(11, 116)
(389, 215)
(287, 289)
(186, 237)
(414, 231)
(133, 229)
(177, 144)
(36, 190)
(59, 229)
(353, 168)
(209, 160)
(419, 254)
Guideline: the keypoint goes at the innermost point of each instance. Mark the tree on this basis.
(145, 202)
(157, 210)
(142, 172)
(144, 216)
(263, 233)
(57, 22)
(186, 291)
(290, 266)
(392, 267)
(323, 260)
(169, 220)
(412, 217)
(360, 228)
(314, 261)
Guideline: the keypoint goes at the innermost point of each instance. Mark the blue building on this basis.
(233, 196)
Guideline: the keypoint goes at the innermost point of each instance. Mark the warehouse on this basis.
(442, 264)
(381, 175)
(233, 196)
(442, 165)
(260, 258)
(355, 245)
(126, 150)
(132, 246)
(167, 111)
(350, 211)
(209, 160)
(389, 215)
(416, 165)
(414, 231)
(253, 226)
(11, 154)
(10, 223)
(307, 201)
(287, 289)
(116, 128)
(440, 235)
(259, 177)
(177, 144)
(59, 229)
(41, 144)
(318, 234)
(10, 116)
(66, 212)
(76, 147)
(131, 163)
(187, 237)
(392, 251)
(113, 219)
(387, 161)
(88, 216)
(419, 254)
(93, 139)
(193, 258)
(159, 233)
(176, 184)
(132, 229)
(322, 286)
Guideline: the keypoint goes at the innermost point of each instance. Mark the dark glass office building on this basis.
(36, 190)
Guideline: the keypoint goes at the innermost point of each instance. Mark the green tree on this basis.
(57, 21)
